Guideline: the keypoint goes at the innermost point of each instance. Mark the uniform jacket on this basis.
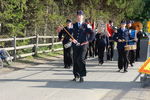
(122, 35)
(82, 33)
(133, 36)
(66, 36)
(102, 40)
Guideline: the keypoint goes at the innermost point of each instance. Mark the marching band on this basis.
(80, 38)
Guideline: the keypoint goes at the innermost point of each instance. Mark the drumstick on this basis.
(71, 36)
(68, 33)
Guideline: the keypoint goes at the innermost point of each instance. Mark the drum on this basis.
(67, 45)
(130, 47)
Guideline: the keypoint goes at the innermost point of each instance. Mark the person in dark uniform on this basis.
(139, 36)
(67, 44)
(121, 37)
(101, 42)
(110, 49)
(82, 36)
(90, 51)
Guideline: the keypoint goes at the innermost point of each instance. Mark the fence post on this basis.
(36, 45)
(15, 50)
(52, 43)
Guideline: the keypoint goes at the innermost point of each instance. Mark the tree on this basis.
(42, 16)
(11, 17)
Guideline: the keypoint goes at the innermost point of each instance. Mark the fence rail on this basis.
(35, 46)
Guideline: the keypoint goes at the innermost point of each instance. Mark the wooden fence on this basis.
(34, 45)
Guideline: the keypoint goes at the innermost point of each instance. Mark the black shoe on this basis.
(131, 65)
(136, 59)
(100, 63)
(111, 59)
(74, 79)
(119, 70)
(68, 67)
(125, 71)
(65, 66)
(81, 79)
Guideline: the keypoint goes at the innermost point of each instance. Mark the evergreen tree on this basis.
(31, 17)
(11, 17)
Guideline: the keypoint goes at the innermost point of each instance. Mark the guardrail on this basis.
(145, 79)
(34, 46)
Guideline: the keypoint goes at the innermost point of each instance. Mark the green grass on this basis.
(45, 55)
(50, 54)
(29, 57)
(57, 46)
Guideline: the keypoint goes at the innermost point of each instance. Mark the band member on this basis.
(121, 37)
(67, 44)
(138, 26)
(93, 42)
(132, 32)
(101, 42)
(91, 47)
(110, 31)
(139, 36)
(82, 36)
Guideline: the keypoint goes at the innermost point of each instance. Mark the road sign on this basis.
(148, 26)
(145, 68)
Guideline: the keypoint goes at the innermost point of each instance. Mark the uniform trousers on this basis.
(132, 56)
(67, 57)
(101, 54)
(138, 50)
(123, 59)
(79, 64)
(91, 49)
(110, 51)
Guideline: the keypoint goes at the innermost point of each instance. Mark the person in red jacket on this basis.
(110, 32)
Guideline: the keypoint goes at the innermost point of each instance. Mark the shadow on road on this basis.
(68, 84)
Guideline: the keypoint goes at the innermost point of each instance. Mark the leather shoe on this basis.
(131, 65)
(75, 79)
(125, 71)
(119, 70)
(81, 79)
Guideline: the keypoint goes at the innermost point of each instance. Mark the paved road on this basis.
(52, 82)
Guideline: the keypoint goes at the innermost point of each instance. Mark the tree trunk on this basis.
(46, 21)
